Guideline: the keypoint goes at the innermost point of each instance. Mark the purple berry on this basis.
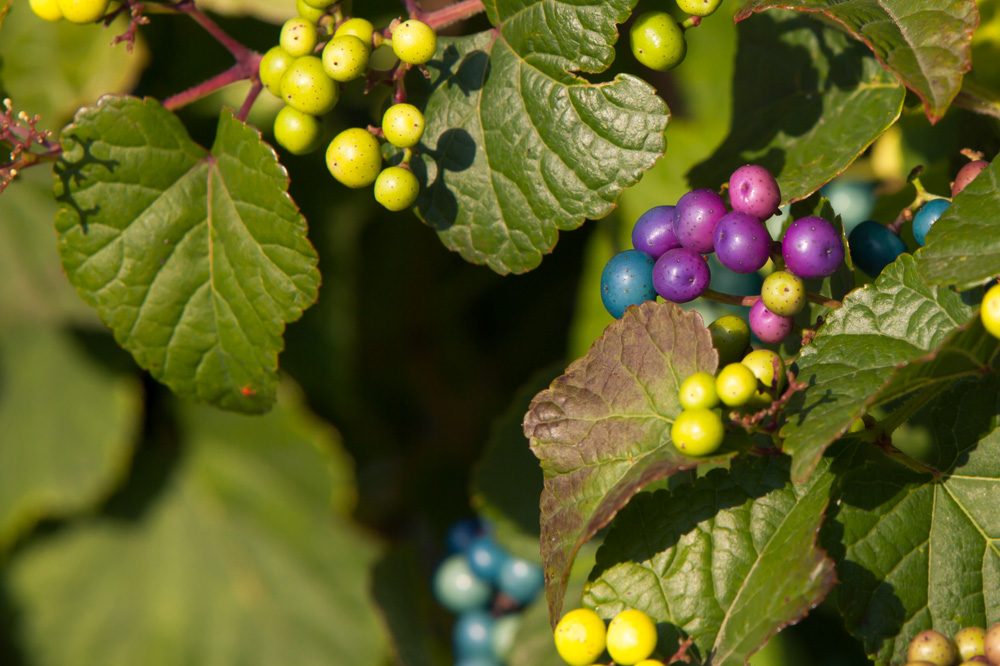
(768, 326)
(695, 217)
(653, 232)
(742, 242)
(812, 248)
(753, 190)
(680, 275)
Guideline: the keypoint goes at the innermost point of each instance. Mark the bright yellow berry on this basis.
(47, 9)
(631, 637)
(403, 125)
(83, 11)
(414, 42)
(990, 312)
(396, 188)
(354, 157)
(580, 637)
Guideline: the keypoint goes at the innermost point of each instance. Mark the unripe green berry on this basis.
(414, 42)
(699, 7)
(969, 642)
(761, 364)
(345, 58)
(736, 385)
(403, 125)
(783, 293)
(297, 132)
(657, 41)
(305, 86)
(273, 66)
(697, 432)
(580, 637)
(308, 12)
(932, 646)
(698, 390)
(83, 11)
(46, 9)
(396, 188)
(298, 37)
(730, 337)
(631, 637)
(354, 157)
(357, 27)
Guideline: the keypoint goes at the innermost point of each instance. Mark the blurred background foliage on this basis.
(137, 529)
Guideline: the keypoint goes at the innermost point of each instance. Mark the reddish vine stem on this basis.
(238, 72)
(445, 16)
(251, 98)
(730, 299)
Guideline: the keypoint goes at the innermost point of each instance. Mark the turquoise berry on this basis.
(926, 217)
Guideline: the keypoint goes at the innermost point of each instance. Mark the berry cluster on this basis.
(74, 11)
(657, 39)
(307, 73)
(670, 243)
(971, 646)
(752, 383)
(630, 638)
(484, 586)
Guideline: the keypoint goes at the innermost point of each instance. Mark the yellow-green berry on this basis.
(307, 87)
(783, 293)
(697, 432)
(46, 9)
(403, 125)
(273, 66)
(932, 646)
(970, 643)
(736, 385)
(308, 12)
(762, 363)
(354, 157)
(989, 312)
(414, 42)
(730, 337)
(345, 58)
(357, 27)
(396, 188)
(298, 37)
(298, 133)
(83, 11)
(698, 390)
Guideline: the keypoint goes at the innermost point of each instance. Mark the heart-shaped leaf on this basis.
(195, 260)
(913, 552)
(727, 561)
(927, 44)
(890, 338)
(602, 430)
(516, 147)
(830, 101)
(963, 246)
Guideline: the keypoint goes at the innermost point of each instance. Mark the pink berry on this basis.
(753, 190)
(768, 326)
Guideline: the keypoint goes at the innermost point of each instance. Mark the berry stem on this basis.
(729, 299)
(922, 196)
(823, 300)
(238, 72)
(690, 22)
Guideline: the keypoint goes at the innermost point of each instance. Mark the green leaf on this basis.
(223, 549)
(926, 44)
(516, 147)
(890, 338)
(196, 260)
(831, 101)
(75, 63)
(67, 419)
(963, 246)
(602, 430)
(914, 552)
(727, 561)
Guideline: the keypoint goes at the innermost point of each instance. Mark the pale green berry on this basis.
(698, 7)
(273, 66)
(697, 432)
(932, 646)
(299, 133)
(46, 9)
(308, 12)
(354, 157)
(403, 125)
(761, 364)
(83, 11)
(657, 41)
(783, 293)
(698, 390)
(345, 58)
(298, 37)
(736, 385)
(357, 27)
(414, 42)
(306, 87)
(396, 188)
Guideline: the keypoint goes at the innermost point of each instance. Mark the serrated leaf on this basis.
(602, 430)
(963, 246)
(517, 148)
(67, 419)
(807, 101)
(195, 260)
(914, 553)
(223, 549)
(890, 338)
(727, 561)
(927, 44)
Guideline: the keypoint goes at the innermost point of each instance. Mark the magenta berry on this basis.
(742, 243)
(753, 190)
(812, 248)
(681, 275)
(695, 217)
(768, 326)
(653, 232)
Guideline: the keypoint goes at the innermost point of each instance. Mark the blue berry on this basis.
(926, 217)
(874, 246)
(653, 232)
(472, 635)
(485, 558)
(463, 532)
(681, 275)
(742, 243)
(520, 579)
(457, 588)
(695, 217)
(627, 280)
(812, 248)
